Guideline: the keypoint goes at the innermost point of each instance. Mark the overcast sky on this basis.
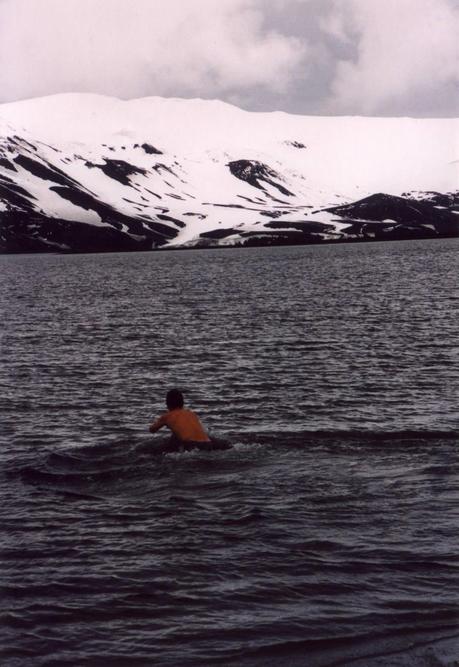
(371, 57)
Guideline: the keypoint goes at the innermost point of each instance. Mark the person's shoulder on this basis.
(172, 414)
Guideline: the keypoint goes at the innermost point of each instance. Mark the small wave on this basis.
(94, 470)
(405, 646)
(365, 437)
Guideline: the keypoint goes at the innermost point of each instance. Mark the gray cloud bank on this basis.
(371, 57)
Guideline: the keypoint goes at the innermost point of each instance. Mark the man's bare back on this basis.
(183, 423)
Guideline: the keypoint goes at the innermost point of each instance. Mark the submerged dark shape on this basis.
(173, 445)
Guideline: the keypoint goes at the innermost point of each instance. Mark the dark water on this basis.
(326, 536)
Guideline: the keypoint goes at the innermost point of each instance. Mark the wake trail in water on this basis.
(92, 469)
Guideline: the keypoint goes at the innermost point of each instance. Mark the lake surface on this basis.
(326, 536)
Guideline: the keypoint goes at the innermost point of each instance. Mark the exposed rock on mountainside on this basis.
(80, 173)
(256, 173)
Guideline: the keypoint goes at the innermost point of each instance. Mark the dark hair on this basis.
(174, 399)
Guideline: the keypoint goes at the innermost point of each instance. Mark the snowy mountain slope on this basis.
(84, 172)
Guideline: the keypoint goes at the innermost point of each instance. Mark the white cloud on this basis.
(140, 47)
(375, 57)
(405, 49)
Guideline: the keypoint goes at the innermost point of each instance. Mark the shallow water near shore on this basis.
(327, 535)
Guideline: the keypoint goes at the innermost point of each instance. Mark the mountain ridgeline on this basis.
(86, 173)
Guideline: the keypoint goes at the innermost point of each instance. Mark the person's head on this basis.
(174, 399)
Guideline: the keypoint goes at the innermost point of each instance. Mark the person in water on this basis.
(183, 423)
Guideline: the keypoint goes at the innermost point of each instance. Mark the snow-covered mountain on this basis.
(83, 172)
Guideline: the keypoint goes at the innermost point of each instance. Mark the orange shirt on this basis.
(184, 424)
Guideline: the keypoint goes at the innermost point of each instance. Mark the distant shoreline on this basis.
(226, 247)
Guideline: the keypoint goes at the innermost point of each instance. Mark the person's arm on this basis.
(159, 423)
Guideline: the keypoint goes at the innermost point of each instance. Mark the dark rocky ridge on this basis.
(25, 225)
(119, 170)
(255, 173)
(380, 217)
(400, 217)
